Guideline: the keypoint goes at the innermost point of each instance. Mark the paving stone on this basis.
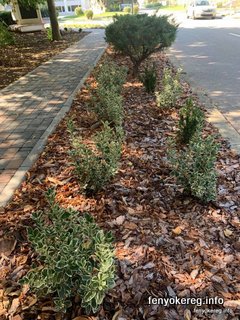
(14, 163)
(31, 107)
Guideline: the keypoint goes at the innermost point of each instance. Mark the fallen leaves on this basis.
(7, 245)
(177, 231)
(227, 232)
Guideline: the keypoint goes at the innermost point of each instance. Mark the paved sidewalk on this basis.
(31, 107)
(228, 124)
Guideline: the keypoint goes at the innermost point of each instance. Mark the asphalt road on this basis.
(209, 51)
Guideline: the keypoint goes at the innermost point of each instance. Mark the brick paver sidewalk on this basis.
(31, 107)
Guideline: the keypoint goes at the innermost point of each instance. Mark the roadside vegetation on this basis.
(134, 194)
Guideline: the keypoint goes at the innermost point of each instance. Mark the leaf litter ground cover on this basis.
(167, 244)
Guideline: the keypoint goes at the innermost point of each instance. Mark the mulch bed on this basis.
(29, 51)
(167, 244)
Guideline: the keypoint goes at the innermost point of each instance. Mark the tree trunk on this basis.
(53, 19)
(135, 70)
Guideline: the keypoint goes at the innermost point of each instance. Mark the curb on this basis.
(214, 115)
(20, 174)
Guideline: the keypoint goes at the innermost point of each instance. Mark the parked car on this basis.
(201, 9)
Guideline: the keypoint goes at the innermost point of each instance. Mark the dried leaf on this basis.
(194, 274)
(177, 231)
(15, 304)
(7, 246)
(187, 314)
(119, 220)
(227, 233)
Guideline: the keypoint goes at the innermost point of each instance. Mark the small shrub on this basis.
(78, 11)
(6, 37)
(49, 34)
(88, 14)
(108, 106)
(97, 165)
(110, 75)
(6, 18)
(171, 90)
(106, 99)
(135, 9)
(139, 35)
(194, 167)
(127, 9)
(149, 78)
(190, 122)
(76, 256)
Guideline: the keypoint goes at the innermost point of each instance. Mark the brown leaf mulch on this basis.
(29, 51)
(167, 244)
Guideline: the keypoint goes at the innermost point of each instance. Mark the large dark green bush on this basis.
(6, 18)
(138, 36)
(77, 257)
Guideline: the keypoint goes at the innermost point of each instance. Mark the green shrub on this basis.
(135, 9)
(108, 106)
(106, 99)
(127, 9)
(149, 78)
(49, 34)
(194, 167)
(78, 11)
(88, 14)
(76, 256)
(190, 122)
(171, 90)
(6, 37)
(138, 36)
(110, 75)
(6, 18)
(97, 165)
